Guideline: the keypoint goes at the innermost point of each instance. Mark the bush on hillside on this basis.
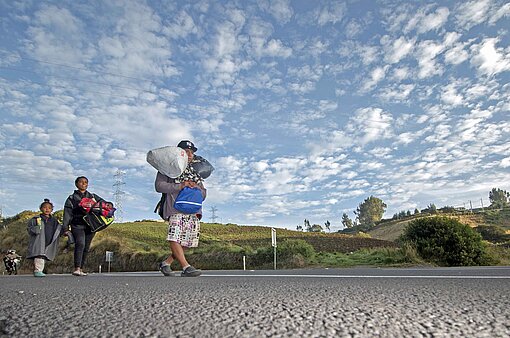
(493, 233)
(446, 241)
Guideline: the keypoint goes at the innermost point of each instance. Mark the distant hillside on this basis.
(141, 245)
(390, 230)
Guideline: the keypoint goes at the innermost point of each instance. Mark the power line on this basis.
(82, 80)
(119, 182)
(72, 67)
(213, 214)
(51, 85)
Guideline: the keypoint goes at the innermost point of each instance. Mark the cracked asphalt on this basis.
(467, 302)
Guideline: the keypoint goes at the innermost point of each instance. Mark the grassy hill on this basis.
(390, 230)
(140, 246)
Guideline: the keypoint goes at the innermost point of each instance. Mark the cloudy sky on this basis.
(305, 108)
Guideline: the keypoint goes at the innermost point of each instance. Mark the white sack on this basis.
(170, 161)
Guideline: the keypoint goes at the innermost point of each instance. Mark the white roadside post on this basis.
(273, 243)
(109, 258)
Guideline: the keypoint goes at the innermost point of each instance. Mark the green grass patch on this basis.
(405, 256)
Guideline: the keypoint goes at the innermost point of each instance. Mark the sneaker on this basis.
(83, 273)
(76, 273)
(39, 274)
(191, 272)
(166, 270)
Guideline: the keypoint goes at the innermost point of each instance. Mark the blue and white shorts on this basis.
(184, 229)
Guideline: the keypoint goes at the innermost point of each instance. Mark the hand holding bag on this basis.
(189, 200)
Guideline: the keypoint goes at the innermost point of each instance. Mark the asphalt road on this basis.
(468, 302)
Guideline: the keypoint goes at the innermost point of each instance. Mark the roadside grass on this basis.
(499, 253)
(396, 257)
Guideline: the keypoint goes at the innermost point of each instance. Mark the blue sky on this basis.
(305, 108)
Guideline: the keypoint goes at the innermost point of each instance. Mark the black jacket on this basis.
(73, 213)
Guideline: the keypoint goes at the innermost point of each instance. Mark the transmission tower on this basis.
(213, 212)
(119, 182)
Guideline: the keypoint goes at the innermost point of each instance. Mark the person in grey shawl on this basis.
(44, 231)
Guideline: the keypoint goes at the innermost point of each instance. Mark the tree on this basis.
(346, 221)
(370, 211)
(328, 225)
(499, 198)
(315, 228)
(431, 209)
(299, 228)
(416, 211)
(307, 225)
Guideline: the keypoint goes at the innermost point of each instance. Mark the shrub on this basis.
(493, 233)
(294, 253)
(446, 241)
(291, 253)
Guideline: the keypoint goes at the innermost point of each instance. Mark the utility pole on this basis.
(273, 244)
(119, 182)
(471, 206)
(213, 214)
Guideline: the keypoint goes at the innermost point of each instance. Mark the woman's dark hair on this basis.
(79, 178)
(46, 201)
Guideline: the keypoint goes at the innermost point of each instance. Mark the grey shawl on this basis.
(37, 246)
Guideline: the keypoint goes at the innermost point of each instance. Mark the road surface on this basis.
(359, 302)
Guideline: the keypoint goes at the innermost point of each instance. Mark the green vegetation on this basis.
(405, 256)
(499, 198)
(370, 211)
(446, 241)
(140, 245)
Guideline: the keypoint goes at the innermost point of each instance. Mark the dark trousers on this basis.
(82, 239)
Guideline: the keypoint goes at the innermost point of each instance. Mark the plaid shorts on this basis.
(184, 229)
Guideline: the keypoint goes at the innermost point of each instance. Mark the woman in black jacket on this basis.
(73, 220)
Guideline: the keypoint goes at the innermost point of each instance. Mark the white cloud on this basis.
(330, 13)
(377, 75)
(372, 124)
(505, 163)
(353, 29)
(426, 54)
(182, 25)
(281, 10)
(451, 96)
(260, 166)
(472, 13)
(489, 59)
(456, 55)
(57, 35)
(400, 74)
(501, 12)
(398, 49)
(424, 22)
(397, 93)
(25, 166)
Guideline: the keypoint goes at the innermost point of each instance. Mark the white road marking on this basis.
(365, 276)
(205, 274)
